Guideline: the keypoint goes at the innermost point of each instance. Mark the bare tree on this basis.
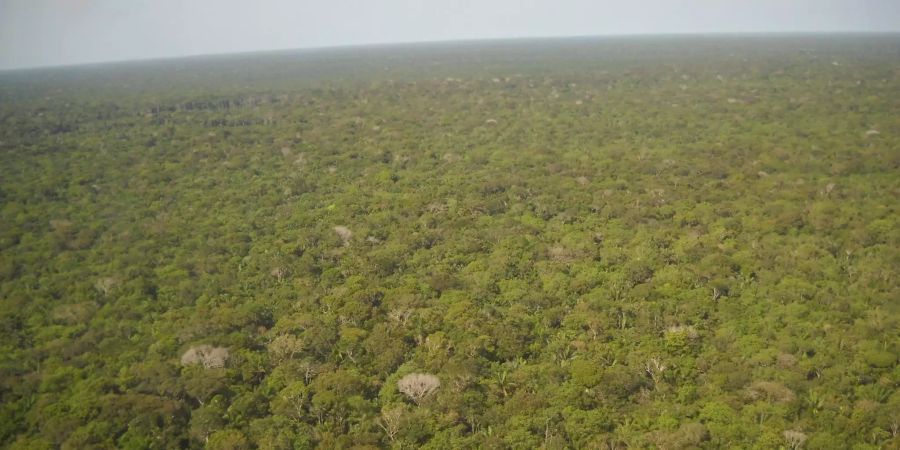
(419, 386)
(795, 438)
(310, 370)
(772, 391)
(279, 273)
(285, 346)
(344, 233)
(391, 420)
(655, 368)
(400, 316)
(688, 331)
(105, 285)
(208, 356)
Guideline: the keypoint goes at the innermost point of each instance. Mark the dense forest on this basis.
(604, 243)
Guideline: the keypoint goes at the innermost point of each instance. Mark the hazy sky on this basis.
(54, 32)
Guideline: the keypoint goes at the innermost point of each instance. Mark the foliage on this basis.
(587, 243)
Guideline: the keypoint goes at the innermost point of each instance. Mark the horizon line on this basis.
(440, 41)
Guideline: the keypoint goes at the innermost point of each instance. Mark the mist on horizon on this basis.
(60, 32)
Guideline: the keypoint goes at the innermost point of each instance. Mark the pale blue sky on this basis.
(56, 32)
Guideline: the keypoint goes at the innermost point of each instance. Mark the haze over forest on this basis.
(61, 32)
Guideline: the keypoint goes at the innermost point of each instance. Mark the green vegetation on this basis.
(593, 243)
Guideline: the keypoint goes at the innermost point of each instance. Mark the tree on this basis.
(419, 386)
(390, 421)
(228, 440)
(344, 233)
(795, 439)
(206, 355)
(285, 346)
